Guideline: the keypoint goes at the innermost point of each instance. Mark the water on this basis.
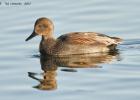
(116, 79)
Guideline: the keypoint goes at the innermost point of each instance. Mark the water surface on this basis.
(116, 79)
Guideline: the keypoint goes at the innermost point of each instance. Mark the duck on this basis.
(71, 43)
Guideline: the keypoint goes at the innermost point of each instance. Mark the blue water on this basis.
(114, 80)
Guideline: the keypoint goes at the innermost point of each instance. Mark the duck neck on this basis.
(47, 44)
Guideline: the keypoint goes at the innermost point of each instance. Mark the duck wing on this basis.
(88, 38)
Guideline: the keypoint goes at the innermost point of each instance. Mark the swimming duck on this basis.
(71, 43)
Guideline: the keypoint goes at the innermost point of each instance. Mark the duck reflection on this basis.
(49, 65)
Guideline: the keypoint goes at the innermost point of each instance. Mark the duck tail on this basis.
(118, 40)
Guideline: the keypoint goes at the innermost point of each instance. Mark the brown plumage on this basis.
(71, 43)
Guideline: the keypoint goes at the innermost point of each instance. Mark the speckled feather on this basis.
(84, 42)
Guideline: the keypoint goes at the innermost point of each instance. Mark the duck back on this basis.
(84, 42)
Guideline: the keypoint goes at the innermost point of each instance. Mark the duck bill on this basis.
(31, 36)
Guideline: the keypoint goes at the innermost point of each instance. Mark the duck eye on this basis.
(42, 26)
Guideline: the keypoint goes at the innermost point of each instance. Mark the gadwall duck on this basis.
(71, 43)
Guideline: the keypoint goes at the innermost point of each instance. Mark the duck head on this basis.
(43, 26)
